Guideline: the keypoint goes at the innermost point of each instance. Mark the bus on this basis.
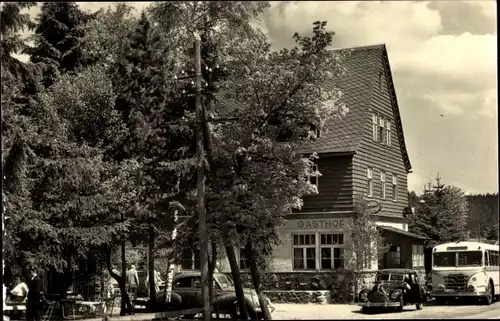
(465, 269)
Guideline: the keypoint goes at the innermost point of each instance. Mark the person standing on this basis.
(157, 281)
(34, 296)
(132, 281)
(19, 290)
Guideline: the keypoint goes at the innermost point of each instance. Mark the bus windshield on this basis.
(465, 258)
(470, 258)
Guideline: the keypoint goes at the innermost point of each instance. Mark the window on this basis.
(304, 252)
(186, 282)
(314, 178)
(380, 81)
(417, 255)
(382, 183)
(388, 133)
(375, 127)
(394, 256)
(494, 258)
(444, 259)
(243, 259)
(394, 187)
(381, 130)
(332, 251)
(369, 176)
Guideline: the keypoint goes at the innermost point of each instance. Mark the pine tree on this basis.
(441, 214)
(57, 37)
(160, 119)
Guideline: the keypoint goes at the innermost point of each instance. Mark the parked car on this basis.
(186, 294)
(394, 288)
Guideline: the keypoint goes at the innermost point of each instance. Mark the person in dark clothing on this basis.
(34, 296)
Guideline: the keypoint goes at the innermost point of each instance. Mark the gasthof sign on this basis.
(306, 224)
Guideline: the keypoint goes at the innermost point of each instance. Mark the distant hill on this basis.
(483, 216)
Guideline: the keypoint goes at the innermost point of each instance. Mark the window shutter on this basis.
(394, 180)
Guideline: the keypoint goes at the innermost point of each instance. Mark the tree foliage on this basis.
(58, 33)
(441, 215)
(483, 216)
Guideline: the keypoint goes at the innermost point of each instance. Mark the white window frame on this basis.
(375, 128)
(332, 246)
(394, 187)
(417, 256)
(369, 181)
(304, 247)
(388, 133)
(382, 185)
(381, 129)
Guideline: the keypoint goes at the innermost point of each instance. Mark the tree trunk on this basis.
(235, 271)
(170, 267)
(151, 269)
(238, 286)
(251, 255)
(126, 304)
(211, 269)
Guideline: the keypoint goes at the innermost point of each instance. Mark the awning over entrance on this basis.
(401, 232)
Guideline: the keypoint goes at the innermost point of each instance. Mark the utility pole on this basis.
(202, 219)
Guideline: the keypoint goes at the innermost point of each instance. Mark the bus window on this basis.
(470, 258)
(444, 259)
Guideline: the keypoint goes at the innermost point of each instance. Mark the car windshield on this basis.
(382, 277)
(444, 259)
(470, 258)
(465, 258)
(397, 277)
(224, 281)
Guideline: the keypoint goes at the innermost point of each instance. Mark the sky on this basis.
(443, 60)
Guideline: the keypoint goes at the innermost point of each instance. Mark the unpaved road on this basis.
(344, 311)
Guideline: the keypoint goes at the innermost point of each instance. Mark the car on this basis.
(186, 294)
(394, 288)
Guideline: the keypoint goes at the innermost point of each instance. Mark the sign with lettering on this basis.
(320, 223)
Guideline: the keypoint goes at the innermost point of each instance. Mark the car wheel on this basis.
(366, 310)
(401, 304)
(419, 306)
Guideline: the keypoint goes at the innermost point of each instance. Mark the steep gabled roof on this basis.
(356, 84)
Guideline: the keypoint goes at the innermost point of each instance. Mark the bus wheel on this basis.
(491, 294)
(440, 301)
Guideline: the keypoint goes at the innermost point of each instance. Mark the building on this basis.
(363, 153)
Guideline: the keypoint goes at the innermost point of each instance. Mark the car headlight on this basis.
(471, 288)
(440, 288)
(474, 279)
(363, 295)
(395, 294)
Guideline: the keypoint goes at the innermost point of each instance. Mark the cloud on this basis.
(477, 17)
